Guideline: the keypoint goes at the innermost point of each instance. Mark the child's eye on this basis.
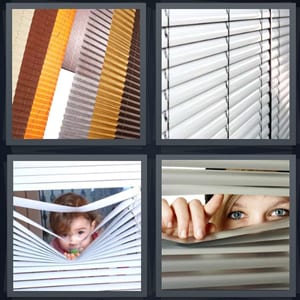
(280, 212)
(236, 215)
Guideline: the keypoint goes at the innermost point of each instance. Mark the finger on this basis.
(181, 210)
(167, 215)
(210, 228)
(213, 205)
(198, 218)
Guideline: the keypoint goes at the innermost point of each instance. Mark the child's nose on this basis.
(73, 239)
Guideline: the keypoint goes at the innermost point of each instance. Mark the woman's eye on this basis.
(280, 212)
(236, 215)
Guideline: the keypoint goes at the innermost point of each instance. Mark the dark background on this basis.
(151, 149)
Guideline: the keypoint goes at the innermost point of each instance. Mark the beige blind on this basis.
(249, 258)
(265, 177)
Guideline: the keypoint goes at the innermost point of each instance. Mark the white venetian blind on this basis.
(216, 66)
(280, 73)
(252, 258)
(194, 75)
(249, 66)
(112, 261)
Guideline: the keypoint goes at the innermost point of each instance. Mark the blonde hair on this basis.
(220, 216)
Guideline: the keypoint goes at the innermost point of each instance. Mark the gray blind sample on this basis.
(216, 73)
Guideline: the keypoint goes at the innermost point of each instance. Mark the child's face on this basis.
(250, 210)
(77, 237)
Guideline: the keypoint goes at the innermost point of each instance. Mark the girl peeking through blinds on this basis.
(222, 212)
(76, 229)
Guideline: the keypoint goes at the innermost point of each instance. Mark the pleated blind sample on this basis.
(31, 67)
(113, 76)
(48, 78)
(81, 100)
(111, 262)
(129, 116)
(254, 257)
(216, 73)
(280, 73)
(21, 21)
(97, 53)
(192, 177)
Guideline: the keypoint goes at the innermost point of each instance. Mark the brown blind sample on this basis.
(129, 117)
(34, 55)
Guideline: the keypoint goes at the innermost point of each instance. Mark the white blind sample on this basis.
(216, 66)
(254, 257)
(227, 177)
(112, 261)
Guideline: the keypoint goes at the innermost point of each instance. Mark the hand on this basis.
(191, 219)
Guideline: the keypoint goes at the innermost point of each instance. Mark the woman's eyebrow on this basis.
(282, 201)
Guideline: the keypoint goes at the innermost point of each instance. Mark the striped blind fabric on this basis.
(112, 261)
(80, 69)
(249, 258)
(216, 66)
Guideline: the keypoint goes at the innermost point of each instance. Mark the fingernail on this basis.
(169, 225)
(199, 234)
(182, 234)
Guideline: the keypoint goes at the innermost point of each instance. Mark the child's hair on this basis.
(60, 222)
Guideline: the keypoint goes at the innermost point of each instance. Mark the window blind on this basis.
(112, 261)
(243, 258)
(216, 66)
(246, 258)
(99, 55)
(280, 73)
(229, 177)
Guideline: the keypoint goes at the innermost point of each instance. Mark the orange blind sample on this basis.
(113, 76)
(32, 63)
(49, 75)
